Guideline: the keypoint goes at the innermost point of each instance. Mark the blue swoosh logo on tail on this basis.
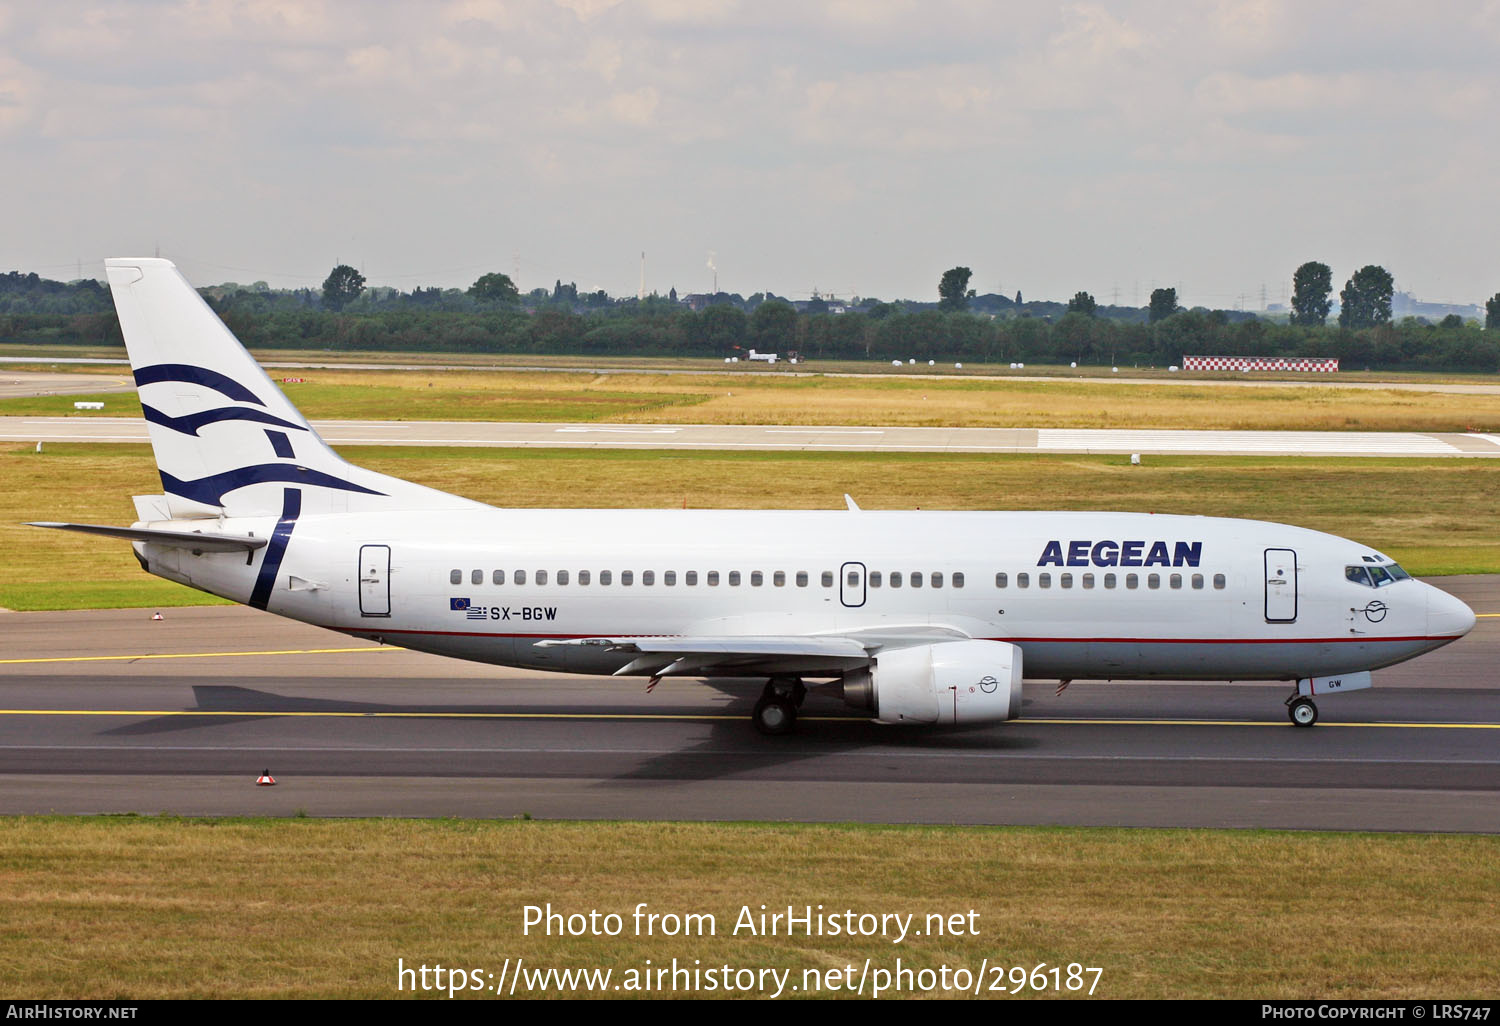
(211, 490)
(189, 424)
(221, 383)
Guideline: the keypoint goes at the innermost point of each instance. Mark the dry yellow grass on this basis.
(151, 908)
(820, 400)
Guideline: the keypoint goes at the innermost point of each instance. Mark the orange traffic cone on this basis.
(265, 779)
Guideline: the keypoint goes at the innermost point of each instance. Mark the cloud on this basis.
(635, 108)
(888, 126)
(587, 10)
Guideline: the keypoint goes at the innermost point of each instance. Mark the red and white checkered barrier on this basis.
(1315, 364)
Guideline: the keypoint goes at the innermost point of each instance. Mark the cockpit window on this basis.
(1376, 576)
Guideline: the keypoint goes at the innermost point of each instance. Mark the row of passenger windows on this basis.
(1132, 581)
(711, 577)
(875, 579)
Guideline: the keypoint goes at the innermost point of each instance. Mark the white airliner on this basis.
(920, 617)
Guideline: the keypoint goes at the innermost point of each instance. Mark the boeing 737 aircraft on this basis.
(919, 617)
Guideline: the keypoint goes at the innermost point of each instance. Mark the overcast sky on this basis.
(853, 146)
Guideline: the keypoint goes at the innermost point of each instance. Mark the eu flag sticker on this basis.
(458, 604)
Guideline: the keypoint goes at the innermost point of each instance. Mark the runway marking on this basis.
(194, 655)
(1061, 721)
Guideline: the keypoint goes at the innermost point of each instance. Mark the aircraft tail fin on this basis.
(227, 441)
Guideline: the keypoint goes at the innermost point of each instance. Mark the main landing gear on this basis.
(1302, 710)
(776, 711)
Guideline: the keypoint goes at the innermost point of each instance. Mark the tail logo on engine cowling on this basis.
(988, 684)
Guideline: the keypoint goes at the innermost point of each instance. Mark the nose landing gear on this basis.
(1302, 710)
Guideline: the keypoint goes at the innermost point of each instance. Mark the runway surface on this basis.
(113, 712)
(91, 428)
(21, 384)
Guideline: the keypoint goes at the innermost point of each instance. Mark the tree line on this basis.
(494, 317)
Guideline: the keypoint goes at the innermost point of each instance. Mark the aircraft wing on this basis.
(811, 655)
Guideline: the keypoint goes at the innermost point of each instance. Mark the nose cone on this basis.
(1447, 617)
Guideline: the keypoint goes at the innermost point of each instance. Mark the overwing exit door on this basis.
(375, 580)
(1281, 586)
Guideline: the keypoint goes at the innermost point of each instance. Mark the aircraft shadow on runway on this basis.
(729, 747)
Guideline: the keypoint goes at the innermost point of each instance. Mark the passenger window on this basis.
(734, 578)
(779, 578)
(541, 577)
(1000, 580)
(455, 577)
(1109, 580)
(498, 577)
(627, 578)
(520, 577)
(756, 579)
(713, 578)
(477, 577)
(827, 578)
(853, 578)
(1197, 582)
(604, 577)
(895, 578)
(874, 578)
(1153, 581)
(1088, 581)
(801, 578)
(691, 579)
(916, 578)
(648, 577)
(937, 580)
(1132, 581)
(1175, 580)
(1065, 580)
(1023, 580)
(669, 578)
(583, 577)
(562, 577)
(958, 579)
(1044, 580)
(1219, 582)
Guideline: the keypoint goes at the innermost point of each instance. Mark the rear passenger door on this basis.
(375, 580)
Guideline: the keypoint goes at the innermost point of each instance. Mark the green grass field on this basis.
(123, 907)
(1435, 516)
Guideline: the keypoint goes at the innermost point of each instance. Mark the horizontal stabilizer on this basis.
(182, 539)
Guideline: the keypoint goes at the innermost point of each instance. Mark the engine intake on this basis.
(950, 682)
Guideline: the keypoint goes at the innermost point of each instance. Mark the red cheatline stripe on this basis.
(1364, 640)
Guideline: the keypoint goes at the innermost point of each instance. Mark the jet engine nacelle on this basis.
(950, 682)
